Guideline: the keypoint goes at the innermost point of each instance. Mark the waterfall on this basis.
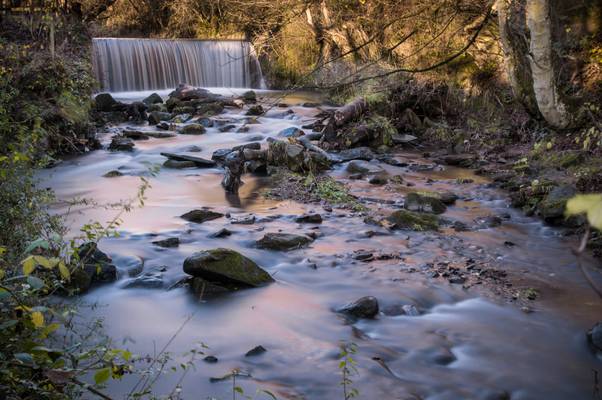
(123, 65)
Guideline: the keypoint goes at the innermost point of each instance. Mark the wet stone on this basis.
(210, 359)
(292, 132)
(147, 280)
(201, 215)
(283, 241)
(175, 164)
(169, 242)
(255, 351)
(365, 307)
(192, 129)
(594, 337)
(309, 219)
(119, 143)
(113, 174)
(222, 233)
(245, 220)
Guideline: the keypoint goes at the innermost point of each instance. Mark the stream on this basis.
(469, 341)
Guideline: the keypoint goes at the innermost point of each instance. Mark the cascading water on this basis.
(123, 65)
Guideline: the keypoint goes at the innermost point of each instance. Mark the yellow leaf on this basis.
(2, 274)
(64, 271)
(29, 264)
(590, 204)
(38, 319)
(54, 261)
(43, 261)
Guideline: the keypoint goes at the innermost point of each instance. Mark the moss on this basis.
(383, 129)
(333, 192)
(404, 219)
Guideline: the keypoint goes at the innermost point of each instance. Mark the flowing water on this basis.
(122, 65)
(465, 344)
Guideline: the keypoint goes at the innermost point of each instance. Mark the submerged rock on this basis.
(113, 174)
(249, 96)
(404, 219)
(255, 110)
(222, 233)
(201, 215)
(424, 202)
(283, 241)
(291, 132)
(226, 267)
(255, 351)
(169, 242)
(309, 219)
(365, 307)
(149, 280)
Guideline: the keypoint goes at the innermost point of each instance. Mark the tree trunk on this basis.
(542, 65)
(526, 36)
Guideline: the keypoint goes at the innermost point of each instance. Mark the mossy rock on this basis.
(226, 267)
(192, 129)
(404, 219)
(283, 241)
(551, 208)
(424, 202)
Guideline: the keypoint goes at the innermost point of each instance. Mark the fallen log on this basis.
(343, 115)
(199, 162)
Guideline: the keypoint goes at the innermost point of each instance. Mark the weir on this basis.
(124, 65)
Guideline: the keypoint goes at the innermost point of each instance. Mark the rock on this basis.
(157, 107)
(211, 359)
(113, 174)
(249, 146)
(594, 337)
(293, 132)
(178, 164)
(309, 104)
(357, 153)
(227, 128)
(255, 110)
(220, 155)
(134, 134)
(94, 267)
(404, 219)
(457, 280)
(186, 92)
(204, 121)
(193, 149)
(402, 139)
(166, 126)
(160, 135)
(447, 198)
(246, 220)
(192, 129)
(156, 117)
(169, 242)
(221, 233)
(551, 208)
(201, 215)
(283, 241)
(198, 161)
(379, 179)
(120, 143)
(364, 167)
(249, 96)
(204, 289)
(309, 219)
(255, 351)
(460, 160)
(424, 202)
(225, 266)
(149, 280)
(365, 307)
(105, 102)
(411, 310)
(233, 170)
(153, 99)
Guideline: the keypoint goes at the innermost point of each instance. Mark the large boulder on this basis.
(283, 241)
(226, 267)
(186, 92)
(105, 102)
(201, 215)
(93, 267)
(365, 307)
(156, 117)
(120, 143)
(404, 219)
(152, 99)
(424, 202)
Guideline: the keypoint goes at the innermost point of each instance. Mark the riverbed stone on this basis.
(424, 202)
(94, 267)
(356, 153)
(120, 143)
(201, 215)
(552, 207)
(178, 164)
(255, 110)
(225, 266)
(405, 219)
(148, 280)
(293, 132)
(249, 96)
(364, 167)
(309, 219)
(192, 129)
(156, 117)
(364, 307)
(104, 102)
(198, 161)
(169, 242)
(283, 241)
(113, 174)
(255, 351)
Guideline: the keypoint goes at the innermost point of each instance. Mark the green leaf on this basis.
(64, 271)
(590, 204)
(239, 390)
(29, 264)
(38, 319)
(102, 375)
(37, 243)
(35, 282)
(272, 396)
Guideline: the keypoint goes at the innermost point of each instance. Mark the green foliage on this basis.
(348, 368)
(588, 204)
(328, 189)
